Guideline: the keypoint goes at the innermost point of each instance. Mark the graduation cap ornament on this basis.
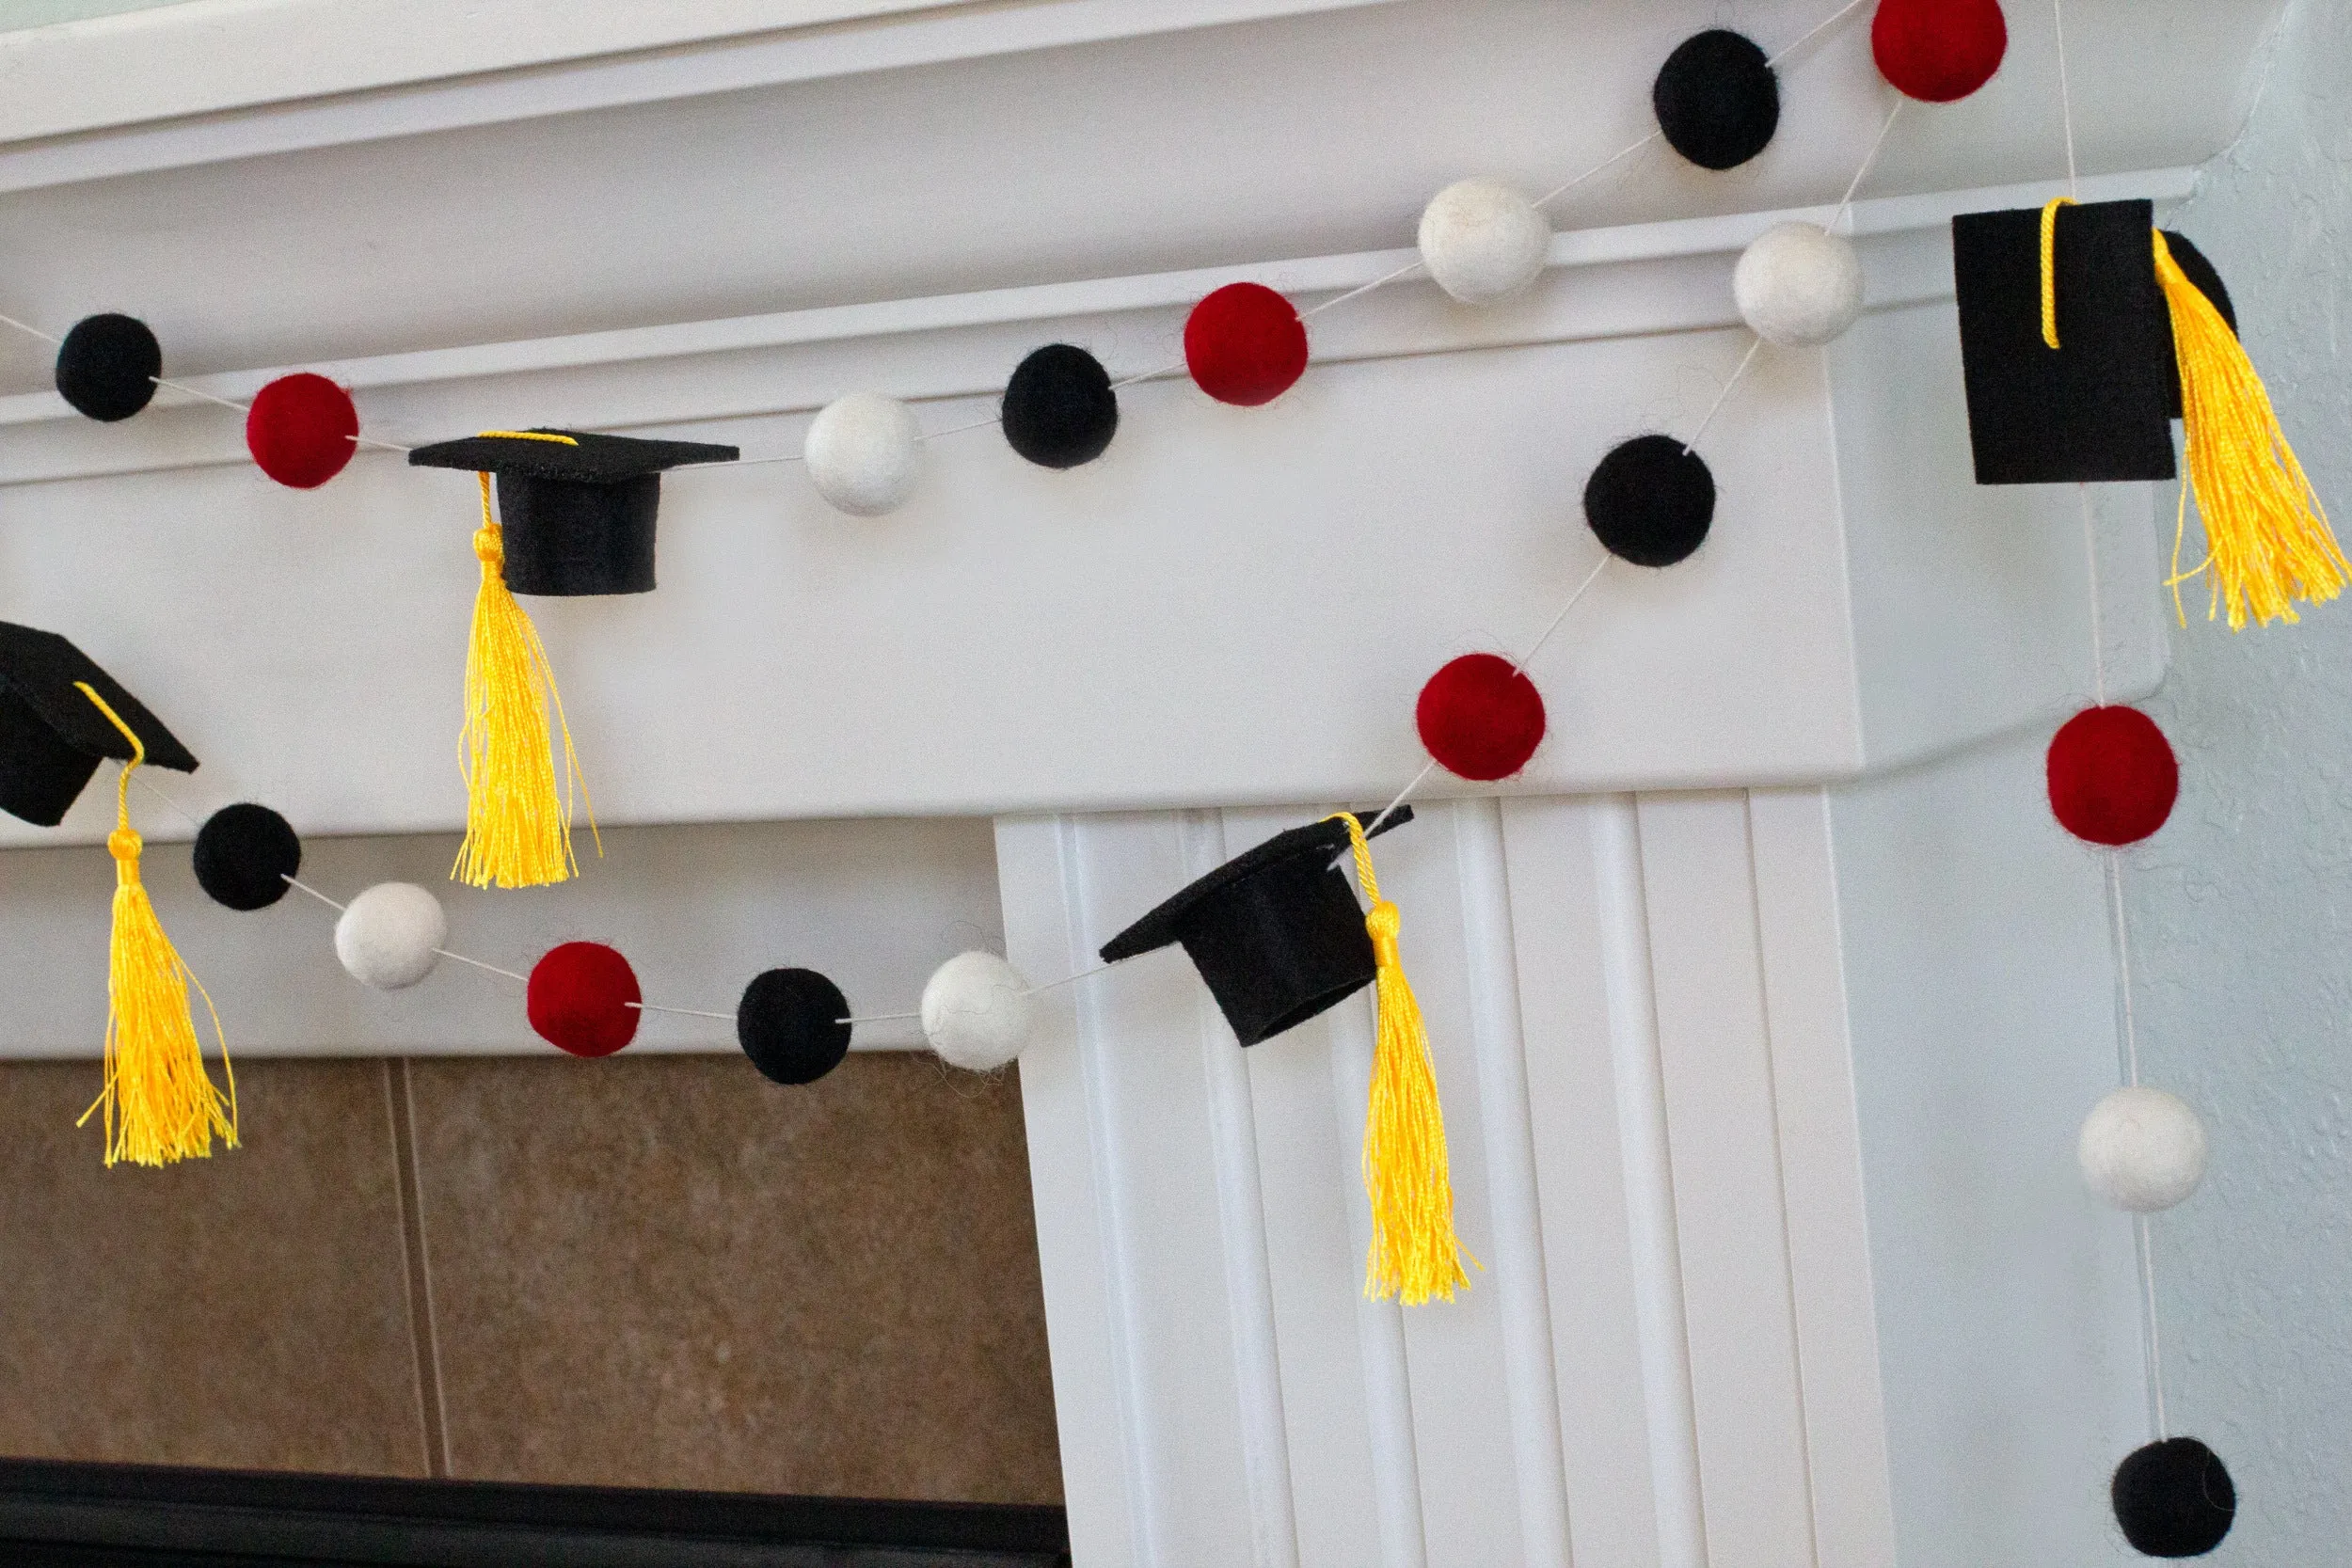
(61, 716)
(575, 516)
(1279, 937)
(2083, 332)
(52, 736)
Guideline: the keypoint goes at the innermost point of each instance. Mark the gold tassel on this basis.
(160, 1104)
(1414, 1254)
(2267, 542)
(517, 827)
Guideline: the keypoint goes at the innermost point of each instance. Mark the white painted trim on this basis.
(149, 445)
(1498, 1037)
(1633, 1045)
(215, 79)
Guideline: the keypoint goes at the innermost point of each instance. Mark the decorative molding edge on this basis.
(1902, 275)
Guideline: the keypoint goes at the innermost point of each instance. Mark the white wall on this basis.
(2240, 921)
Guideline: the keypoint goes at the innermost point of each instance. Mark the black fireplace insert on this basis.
(142, 1516)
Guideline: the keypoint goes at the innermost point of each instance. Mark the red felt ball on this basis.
(1938, 50)
(1481, 718)
(2113, 778)
(579, 999)
(1246, 345)
(301, 430)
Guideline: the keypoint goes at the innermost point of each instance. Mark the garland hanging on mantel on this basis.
(2085, 332)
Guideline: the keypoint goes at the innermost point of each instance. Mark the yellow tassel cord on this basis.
(2049, 268)
(1414, 1254)
(160, 1105)
(517, 827)
(2267, 542)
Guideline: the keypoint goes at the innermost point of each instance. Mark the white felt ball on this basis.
(1796, 286)
(387, 938)
(977, 1011)
(1482, 240)
(2142, 1150)
(862, 453)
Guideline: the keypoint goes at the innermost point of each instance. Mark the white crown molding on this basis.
(215, 79)
(55, 443)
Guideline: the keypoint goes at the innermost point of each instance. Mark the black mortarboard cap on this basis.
(1277, 933)
(2099, 406)
(578, 514)
(52, 737)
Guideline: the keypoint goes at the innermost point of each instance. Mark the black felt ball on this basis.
(243, 854)
(1717, 99)
(2174, 1498)
(1059, 410)
(1651, 501)
(107, 366)
(791, 1023)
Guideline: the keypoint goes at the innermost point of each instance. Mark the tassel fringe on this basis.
(2268, 539)
(1415, 1255)
(518, 825)
(159, 1105)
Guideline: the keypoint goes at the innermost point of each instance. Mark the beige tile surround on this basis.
(663, 1272)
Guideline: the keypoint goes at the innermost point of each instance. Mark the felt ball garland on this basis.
(1717, 99)
(1651, 501)
(1798, 285)
(862, 453)
(107, 366)
(2112, 776)
(1059, 410)
(1480, 718)
(2142, 1150)
(245, 855)
(1482, 241)
(1245, 344)
(793, 1024)
(977, 1013)
(301, 430)
(390, 936)
(1938, 51)
(583, 999)
(2174, 1498)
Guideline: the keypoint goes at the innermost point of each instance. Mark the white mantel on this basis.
(1766, 1001)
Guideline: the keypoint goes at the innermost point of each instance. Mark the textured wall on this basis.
(2241, 914)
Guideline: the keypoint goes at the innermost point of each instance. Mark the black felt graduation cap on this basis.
(2100, 406)
(577, 509)
(1277, 933)
(52, 736)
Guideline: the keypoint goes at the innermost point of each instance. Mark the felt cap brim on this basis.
(52, 738)
(578, 512)
(1277, 933)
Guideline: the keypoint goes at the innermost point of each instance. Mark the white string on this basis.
(1836, 17)
(2155, 1348)
(1528, 657)
(1718, 407)
(31, 331)
(141, 779)
(490, 969)
(880, 1018)
(1868, 158)
(301, 886)
(1604, 166)
(1072, 980)
(1389, 809)
(2098, 630)
(2066, 96)
(1381, 282)
(682, 1012)
(1148, 376)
